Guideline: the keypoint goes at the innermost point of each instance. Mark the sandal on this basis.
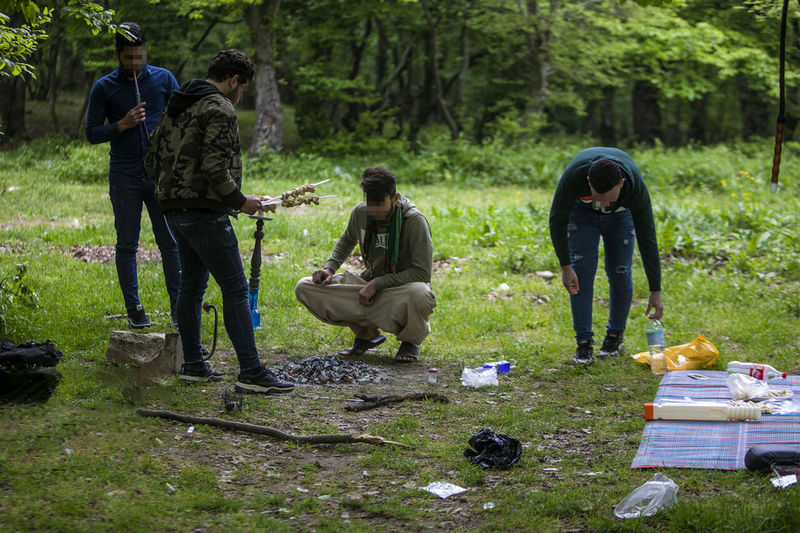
(362, 345)
(407, 353)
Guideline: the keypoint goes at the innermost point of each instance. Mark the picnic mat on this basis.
(717, 445)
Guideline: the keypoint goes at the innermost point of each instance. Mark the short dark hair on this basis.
(604, 175)
(129, 34)
(377, 182)
(228, 63)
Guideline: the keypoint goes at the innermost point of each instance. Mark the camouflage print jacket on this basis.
(194, 154)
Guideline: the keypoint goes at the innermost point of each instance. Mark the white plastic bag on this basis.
(479, 377)
(648, 499)
(744, 387)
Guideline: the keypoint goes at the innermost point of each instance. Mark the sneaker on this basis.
(263, 381)
(584, 355)
(612, 345)
(137, 318)
(200, 372)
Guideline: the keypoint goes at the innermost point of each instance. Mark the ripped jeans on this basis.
(584, 230)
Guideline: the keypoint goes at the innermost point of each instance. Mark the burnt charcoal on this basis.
(322, 370)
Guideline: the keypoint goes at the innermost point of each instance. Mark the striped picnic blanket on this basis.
(718, 445)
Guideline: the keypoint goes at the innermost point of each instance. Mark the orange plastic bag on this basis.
(699, 353)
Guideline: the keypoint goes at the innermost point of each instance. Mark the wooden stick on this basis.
(370, 402)
(333, 438)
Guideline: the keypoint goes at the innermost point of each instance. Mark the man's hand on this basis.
(322, 277)
(656, 305)
(570, 279)
(251, 205)
(367, 293)
(132, 118)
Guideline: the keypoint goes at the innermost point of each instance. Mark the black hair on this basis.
(377, 182)
(228, 63)
(129, 34)
(604, 175)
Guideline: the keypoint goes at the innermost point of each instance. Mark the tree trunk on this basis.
(646, 113)
(697, 126)
(52, 85)
(269, 122)
(538, 62)
(350, 119)
(12, 107)
(751, 107)
(465, 59)
(608, 135)
(80, 124)
(437, 78)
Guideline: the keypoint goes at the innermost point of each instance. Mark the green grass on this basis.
(86, 461)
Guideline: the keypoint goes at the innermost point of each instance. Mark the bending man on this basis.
(393, 293)
(602, 194)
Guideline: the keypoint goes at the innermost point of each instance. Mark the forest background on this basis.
(338, 77)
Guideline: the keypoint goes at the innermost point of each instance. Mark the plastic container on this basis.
(648, 499)
(658, 363)
(655, 336)
(700, 411)
(255, 316)
(756, 370)
(501, 366)
(433, 376)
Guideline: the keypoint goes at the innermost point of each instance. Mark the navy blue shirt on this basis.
(111, 98)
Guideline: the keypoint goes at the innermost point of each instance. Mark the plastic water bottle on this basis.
(758, 371)
(655, 336)
(655, 342)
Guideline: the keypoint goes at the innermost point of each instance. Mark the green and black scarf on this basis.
(392, 241)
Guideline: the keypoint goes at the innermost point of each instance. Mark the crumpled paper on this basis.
(443, 489)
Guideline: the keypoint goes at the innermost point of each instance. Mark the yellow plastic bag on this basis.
(699, 353)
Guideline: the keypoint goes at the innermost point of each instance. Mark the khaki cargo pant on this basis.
(402, 310)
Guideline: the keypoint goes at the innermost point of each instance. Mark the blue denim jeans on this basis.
(128, 192)
(208, 244)
(585, 228)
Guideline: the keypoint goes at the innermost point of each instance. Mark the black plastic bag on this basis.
(23, 376)
(762, 457)
(28, 355)
(493, 449)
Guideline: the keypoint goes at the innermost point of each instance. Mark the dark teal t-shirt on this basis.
(573, 188)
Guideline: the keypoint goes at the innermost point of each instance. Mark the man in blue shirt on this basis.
(123, 107)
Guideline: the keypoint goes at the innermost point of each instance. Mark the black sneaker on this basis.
(200, 372)
(612, 345)
(263, 381)
(584, 355)
(137, 318)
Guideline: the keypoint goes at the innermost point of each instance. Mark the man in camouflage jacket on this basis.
(195, 159)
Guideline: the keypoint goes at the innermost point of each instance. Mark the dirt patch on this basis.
(106, 254)
(11, 248)
(534, 297)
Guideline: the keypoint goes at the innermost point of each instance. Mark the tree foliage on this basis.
(361, 72)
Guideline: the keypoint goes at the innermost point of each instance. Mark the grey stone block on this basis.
(153, 354)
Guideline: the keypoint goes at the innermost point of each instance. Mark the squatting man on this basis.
(393, 293)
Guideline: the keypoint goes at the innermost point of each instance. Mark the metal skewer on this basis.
(139, 100)
(279, 200)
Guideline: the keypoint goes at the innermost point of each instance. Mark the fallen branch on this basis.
(370, 402)
(333, 438)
